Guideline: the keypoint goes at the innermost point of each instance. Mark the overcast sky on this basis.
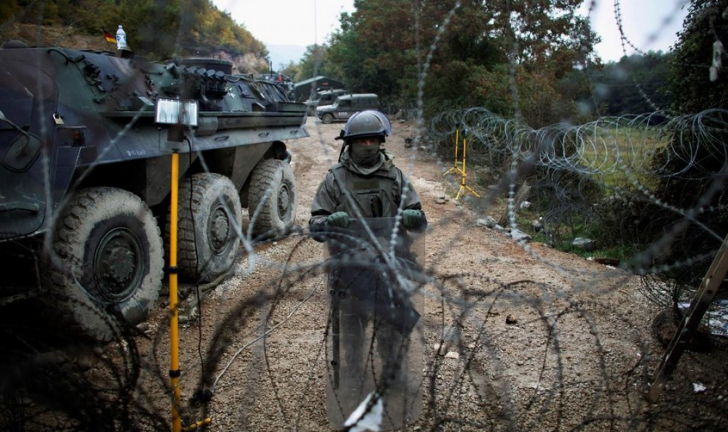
(649, 24)
(287, 22)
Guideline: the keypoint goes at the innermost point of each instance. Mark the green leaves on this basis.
(476, 49)
(691, 86)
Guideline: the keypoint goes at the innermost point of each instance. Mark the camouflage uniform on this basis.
(363, 295)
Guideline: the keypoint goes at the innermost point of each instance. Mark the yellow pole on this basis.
(456, 147)
(174, 372)
(457, 143)
(465, 144)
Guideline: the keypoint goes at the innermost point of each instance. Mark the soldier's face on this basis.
(366, 141)
(365, 151)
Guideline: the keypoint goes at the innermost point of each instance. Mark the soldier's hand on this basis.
(412, 218)
(338, 219)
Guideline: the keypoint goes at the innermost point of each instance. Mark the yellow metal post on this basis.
(174, 372)
(463, 186)
(455, 165)
(457, 132)
(465, 149)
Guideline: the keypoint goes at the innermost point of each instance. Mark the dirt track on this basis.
(532, 339)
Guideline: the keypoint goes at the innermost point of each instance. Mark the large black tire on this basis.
(272, 198)
(107, 258)
(209, 223)
(327, 118)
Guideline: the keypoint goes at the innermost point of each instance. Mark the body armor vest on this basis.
(375, 195)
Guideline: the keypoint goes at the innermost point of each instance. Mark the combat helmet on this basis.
(363, 124)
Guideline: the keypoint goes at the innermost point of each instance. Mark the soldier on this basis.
(366, 175)
(366, 188)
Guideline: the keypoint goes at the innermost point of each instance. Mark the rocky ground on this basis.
(514, 337)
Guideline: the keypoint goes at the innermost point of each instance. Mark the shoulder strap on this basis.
(335, 171)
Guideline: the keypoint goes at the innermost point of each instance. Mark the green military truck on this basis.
(346, 105)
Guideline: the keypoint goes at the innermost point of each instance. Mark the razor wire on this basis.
(604, 146)
(499, 348)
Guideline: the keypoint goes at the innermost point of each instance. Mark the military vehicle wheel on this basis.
(327, 118)
(272, 197)
(209, 220)
(108, 257)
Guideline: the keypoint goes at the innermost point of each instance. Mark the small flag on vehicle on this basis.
(109, 37)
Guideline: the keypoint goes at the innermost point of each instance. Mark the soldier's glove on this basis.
(338, 219)
(412, 218)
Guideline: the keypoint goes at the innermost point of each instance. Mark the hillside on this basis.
(68, 37)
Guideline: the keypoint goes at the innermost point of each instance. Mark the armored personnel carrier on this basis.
(85, 177)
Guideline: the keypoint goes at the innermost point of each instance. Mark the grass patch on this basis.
(614, 154)
(561, 237)
(619, 252)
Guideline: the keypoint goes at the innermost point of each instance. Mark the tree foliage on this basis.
(483, 48)
(314, 62)
(693, 169)
(696, 89)
(634, 85)
(291, 70)
(700, 44)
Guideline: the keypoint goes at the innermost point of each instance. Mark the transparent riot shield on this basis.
(375, 352)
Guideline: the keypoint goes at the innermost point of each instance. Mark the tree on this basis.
(634, 85)
(313, 63)
(697, 84)
(292, 70)
(693, 169)
(698, 153)
(382, 46)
